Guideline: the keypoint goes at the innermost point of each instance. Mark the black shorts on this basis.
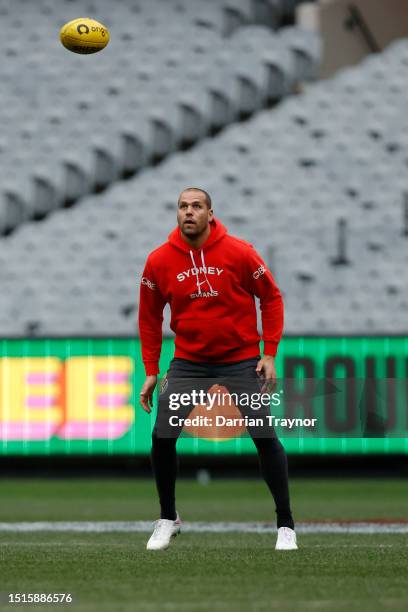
(238, 378)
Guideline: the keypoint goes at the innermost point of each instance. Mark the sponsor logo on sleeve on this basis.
(261, 270)
(148, 283)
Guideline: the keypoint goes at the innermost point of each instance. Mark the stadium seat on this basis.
(280, 180)
(307, 49)
(53, 103)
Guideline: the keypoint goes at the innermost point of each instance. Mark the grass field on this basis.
(219, 572)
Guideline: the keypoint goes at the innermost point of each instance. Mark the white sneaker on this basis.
(164, 530)
(286, 539)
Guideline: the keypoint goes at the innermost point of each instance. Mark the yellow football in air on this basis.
(84, 36)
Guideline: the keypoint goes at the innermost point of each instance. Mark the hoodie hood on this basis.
(218, 231)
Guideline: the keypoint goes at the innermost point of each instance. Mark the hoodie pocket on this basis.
(209, 336)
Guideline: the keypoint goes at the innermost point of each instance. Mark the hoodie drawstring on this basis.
(196, 269)
(204, 268)
(205, 271)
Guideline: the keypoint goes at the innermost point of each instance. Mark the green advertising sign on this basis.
(80, 396)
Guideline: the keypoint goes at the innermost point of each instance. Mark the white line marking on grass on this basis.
(201, 527)
(120, 545)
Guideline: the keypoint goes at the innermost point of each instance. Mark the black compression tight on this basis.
(273, 465)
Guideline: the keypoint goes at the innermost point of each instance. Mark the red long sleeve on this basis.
(261, 283)
(151, 305)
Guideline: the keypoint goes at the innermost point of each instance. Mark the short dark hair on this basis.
(207, 195)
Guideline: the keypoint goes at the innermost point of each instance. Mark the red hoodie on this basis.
(211, 293)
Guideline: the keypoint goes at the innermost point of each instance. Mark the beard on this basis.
(192, 230)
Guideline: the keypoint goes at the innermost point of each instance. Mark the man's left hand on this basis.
(266, 370)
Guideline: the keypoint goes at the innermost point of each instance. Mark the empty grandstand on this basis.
(175, 72)
(317, 182)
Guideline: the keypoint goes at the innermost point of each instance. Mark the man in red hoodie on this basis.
(210, 280)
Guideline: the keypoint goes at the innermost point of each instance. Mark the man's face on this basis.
(193, 215)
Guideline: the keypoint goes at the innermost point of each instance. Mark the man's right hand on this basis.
(146, 393)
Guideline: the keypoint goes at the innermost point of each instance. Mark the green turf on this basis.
(234, 500)
(229, 572)
(200, 572)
